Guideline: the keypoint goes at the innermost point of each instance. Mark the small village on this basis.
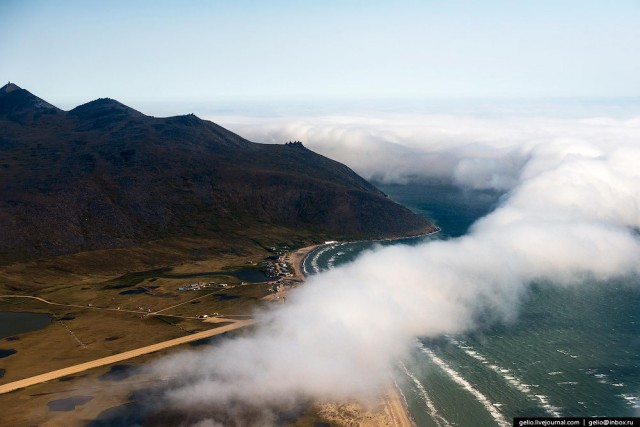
(200, 286)
(277, 269)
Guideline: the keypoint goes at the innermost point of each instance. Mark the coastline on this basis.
(388, 411)
(298, 257)
(397, 407)
(392, 409)
(387, 239)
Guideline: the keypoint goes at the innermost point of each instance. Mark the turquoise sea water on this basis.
(573, 351)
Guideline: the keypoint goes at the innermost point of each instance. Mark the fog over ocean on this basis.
(571, 351)
(525, 304)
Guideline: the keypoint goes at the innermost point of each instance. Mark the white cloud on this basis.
(574, 192)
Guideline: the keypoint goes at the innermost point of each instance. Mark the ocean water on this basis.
(573, 351)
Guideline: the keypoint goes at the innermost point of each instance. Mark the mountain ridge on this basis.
(104, 175)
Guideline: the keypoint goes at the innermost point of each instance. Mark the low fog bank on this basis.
(487, 153)
(571, 208)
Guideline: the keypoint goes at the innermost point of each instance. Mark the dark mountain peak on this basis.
(103, 114)
(188, 119)
(9, 87)
(20, 105)
(103, 107)
(296, 144)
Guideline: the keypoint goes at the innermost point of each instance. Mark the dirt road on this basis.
(71, 370)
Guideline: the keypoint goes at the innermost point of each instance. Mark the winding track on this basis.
(90, 307)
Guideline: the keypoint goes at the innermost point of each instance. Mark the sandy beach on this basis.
(396, 408)
(390, 411)
(296, 258)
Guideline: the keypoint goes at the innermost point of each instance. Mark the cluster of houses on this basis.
(206, 316)
(279, 284)
(199, 286)
(276, 267)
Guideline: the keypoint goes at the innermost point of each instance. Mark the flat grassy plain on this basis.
(96, 315)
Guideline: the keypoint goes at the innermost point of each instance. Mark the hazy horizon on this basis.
(208, 51)
(479, 106)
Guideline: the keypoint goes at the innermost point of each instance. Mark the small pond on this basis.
(68, 404)
(6, 352)
(15, 323)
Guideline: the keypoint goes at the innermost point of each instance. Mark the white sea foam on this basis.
(631, 400)
(331, 262)
(567, 353)
(459, 379)
(511, 378)
(316, 256)
(431, 408)
(602, 378)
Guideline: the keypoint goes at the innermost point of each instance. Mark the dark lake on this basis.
(118, 373)
(68, 404)
(15, 323)
(133, 292)
(6, 352)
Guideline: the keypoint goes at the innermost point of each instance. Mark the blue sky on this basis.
(147, 53)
